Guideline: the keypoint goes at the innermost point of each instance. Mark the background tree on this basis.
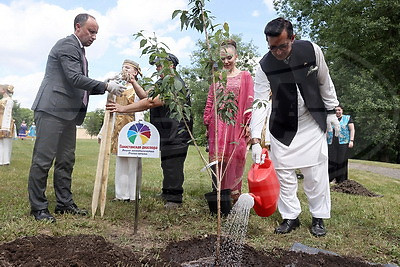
(94, 121)
(21, 114)
(360, 41)
(198, 79)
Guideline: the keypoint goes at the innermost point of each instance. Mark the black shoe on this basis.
(287, 226)
(72, 209)
(43, 215)
(317, 227)
(160, 196)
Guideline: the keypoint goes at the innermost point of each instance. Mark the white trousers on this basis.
(316, 188)
(5, 150)
(128, 171)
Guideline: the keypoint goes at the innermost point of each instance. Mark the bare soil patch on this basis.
(81, 250)
(354, 188)
(91, 250)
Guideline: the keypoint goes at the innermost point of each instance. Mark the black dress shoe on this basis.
(287, 226)
(43, 215)
(317, 227)
(71, 209)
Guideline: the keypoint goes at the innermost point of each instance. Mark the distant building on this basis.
(81, 133)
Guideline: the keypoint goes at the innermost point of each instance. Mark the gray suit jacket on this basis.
(64, 82)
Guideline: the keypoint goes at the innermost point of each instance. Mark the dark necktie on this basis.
(84, 62)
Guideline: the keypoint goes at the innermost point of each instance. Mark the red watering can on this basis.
(264, 186)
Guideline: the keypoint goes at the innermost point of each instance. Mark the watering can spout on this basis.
(246, 200)
(257, 201)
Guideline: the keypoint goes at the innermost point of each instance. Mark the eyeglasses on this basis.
(279, 47)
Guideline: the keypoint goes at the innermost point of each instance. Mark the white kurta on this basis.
(309, 147)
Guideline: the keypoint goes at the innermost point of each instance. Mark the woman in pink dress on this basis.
(232, 138)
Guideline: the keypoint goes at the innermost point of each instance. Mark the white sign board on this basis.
(139, 139)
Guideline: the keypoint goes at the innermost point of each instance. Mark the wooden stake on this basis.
(137, 190)
(100, 184)
(106, 166)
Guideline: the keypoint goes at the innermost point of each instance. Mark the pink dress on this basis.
(232, 139)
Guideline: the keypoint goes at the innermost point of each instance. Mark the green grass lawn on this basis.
(360, 226)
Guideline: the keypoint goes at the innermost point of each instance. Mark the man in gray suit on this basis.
(60, 105)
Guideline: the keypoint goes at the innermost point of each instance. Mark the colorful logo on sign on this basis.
(139, 130)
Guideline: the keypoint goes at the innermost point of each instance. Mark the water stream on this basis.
(234, 231)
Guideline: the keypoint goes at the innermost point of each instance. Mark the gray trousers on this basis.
(56, 139)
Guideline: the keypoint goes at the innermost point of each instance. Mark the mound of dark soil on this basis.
(91, 250)
(352, 187)
(191, 250)
(81, 250)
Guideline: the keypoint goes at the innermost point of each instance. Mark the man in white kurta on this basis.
(302, 144)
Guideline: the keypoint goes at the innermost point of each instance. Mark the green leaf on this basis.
(178, 84)
(175, 13)
(143, 42)
(226, 27)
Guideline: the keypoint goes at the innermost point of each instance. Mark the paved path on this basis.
(390, 172)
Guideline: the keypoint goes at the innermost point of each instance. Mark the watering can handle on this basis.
(264, 155)
(264, 151)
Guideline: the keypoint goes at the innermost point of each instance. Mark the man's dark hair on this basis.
(170, 57)
(81, 19)
(173, 59)
(275, 27)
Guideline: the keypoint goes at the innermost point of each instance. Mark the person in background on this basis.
(6, 123)
(32, 131)
(303, 108)
(128, 170)
(232, 139)
(60, 105)
(23, 129)
(338, 147)
(174, 138)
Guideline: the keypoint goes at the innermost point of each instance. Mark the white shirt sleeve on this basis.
(139, 116)
(326, 86)
(261, 104)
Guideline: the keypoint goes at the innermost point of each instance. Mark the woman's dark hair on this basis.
(275, 27)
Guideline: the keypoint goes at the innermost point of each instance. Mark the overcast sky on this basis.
(29, 29)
